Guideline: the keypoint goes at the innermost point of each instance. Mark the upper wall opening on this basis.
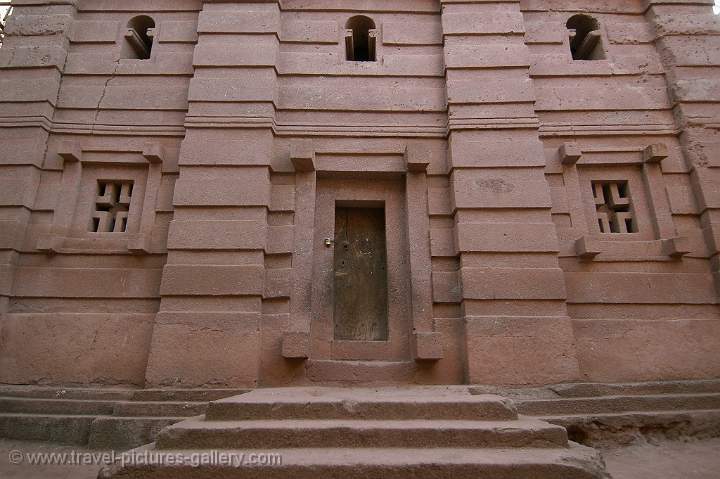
(139, 38)
(585, 38)
(360, 39)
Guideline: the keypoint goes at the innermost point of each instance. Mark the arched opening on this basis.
(139, 38)
(360, 39)
(585, 38)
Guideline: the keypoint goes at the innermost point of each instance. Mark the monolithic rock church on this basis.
(313, 192)
(369, 214)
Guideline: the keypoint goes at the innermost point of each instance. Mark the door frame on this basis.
(353, 192)
(409, 162)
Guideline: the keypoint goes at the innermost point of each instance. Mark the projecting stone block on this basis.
(302, 156)
(587, 248)
(570, 153)
(676, 247)
(655, 153)
(154, 152)
(427, 346)
(70, 151)
(417, 158)
(296, 345)
(140, 244)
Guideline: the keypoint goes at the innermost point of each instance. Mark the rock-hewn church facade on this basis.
(284, 192)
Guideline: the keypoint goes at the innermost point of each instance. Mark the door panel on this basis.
(347, 320)
(360, 283)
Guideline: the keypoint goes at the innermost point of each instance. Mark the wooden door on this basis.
(360, 275)
(360, 279)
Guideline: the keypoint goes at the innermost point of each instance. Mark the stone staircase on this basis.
(97, 418)
(608, 415)
(419, 432)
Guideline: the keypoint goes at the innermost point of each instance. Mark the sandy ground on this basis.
(668, 460)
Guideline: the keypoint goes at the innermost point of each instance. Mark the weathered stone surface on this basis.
(612, 415)
(549, 197)
(388, 432)
(101, 418)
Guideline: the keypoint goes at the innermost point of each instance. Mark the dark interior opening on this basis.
(360, 46)
(139, 38)
(585, 38)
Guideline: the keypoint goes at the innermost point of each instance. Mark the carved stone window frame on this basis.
(360, 66)
(132, 64)
(604, 42)
(80, 175)
(657, 236)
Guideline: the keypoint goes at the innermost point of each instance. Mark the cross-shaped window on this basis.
(614, 207)
(112, 207)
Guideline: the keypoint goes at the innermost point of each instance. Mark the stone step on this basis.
(356, 373)
(122, 433)
(159, 408)
(189, 395)
(73, 430)
(69, 407)
(38, 392)
(361, 403)
(574, 462)
(615, 404)
(627, 389)
(289, 433)
(613, 429)
(113, 394)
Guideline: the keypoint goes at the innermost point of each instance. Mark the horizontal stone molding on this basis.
(480, 23)
(239, 21)
(212, 280)
(87, 282)
(486, 56)
(216, 235)
(507, 237)
(513, 283)
(641, 288)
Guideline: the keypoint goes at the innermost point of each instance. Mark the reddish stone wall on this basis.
(476, 129)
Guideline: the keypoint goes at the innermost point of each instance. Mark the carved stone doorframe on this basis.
(425, 344)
